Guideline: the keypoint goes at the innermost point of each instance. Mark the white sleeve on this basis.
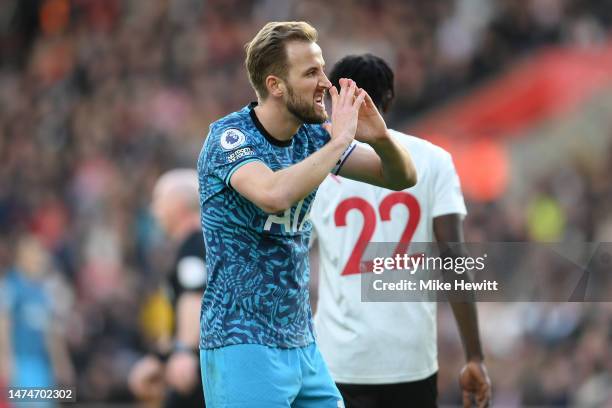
(448, 198)
(191, 273)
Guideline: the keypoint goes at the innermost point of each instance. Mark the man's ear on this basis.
(275, 85)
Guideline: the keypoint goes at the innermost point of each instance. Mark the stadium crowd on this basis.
(99, 97)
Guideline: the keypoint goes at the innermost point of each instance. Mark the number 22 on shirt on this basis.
(367, 210)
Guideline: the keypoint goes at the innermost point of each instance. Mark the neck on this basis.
(276, 119)
(185, 226)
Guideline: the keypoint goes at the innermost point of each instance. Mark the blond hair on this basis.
(266, 52)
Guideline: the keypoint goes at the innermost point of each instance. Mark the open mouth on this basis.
(319, 101)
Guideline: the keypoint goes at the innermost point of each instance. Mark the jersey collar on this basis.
(263, 131)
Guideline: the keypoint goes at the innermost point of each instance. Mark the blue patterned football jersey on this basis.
(257, 263)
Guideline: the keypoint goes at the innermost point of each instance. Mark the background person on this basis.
(33, 350)
(385, 354)
(176, 208)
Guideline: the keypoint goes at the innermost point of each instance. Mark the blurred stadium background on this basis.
(99, 97)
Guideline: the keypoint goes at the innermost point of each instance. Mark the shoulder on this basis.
(423, 151)
(231, 138)
(11, 278)
(418, 143)
(235, 119)
(232, 130)
(8, 289)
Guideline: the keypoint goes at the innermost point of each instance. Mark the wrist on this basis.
(342, 141)
(475, 358)
(182, 347)
(381, 141)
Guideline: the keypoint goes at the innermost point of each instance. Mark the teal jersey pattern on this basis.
(257, 263)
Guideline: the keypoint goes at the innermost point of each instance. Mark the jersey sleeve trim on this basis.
(236, 167)
(448, 210)
(343, 158)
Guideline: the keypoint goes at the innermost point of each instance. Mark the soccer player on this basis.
(384, 354)
(33, 348)
(259, 169)
(176, 208)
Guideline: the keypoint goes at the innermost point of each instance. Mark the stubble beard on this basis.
(303, 111)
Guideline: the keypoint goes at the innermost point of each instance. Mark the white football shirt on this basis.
(368, 342)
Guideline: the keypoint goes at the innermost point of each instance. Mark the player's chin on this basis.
(315, 118)
(321, 114)
(318, 120)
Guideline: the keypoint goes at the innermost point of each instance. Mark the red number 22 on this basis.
(369, 224)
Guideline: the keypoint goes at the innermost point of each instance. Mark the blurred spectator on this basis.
(32, 343)
(175, 368)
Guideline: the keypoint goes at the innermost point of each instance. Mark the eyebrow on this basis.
(314, 67)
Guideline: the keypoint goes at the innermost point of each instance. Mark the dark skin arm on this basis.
(474, 380)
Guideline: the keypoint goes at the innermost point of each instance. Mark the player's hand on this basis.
(475, 384)
(146, 380)
(345, 110)
(181, 371)
(371, 126)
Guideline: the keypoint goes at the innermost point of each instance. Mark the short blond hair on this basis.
(266, 52)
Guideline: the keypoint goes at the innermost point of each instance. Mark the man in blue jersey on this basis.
(258, 173)
(33, 349)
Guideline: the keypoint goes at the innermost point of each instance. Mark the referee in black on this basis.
(176, 208)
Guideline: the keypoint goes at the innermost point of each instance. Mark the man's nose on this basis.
(325, 83)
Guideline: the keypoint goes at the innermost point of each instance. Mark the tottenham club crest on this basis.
(232, 138)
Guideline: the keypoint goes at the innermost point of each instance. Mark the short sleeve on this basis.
(448, 198)
(191, 273)
(229, 149)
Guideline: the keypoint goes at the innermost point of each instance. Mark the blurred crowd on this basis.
(99, 97)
